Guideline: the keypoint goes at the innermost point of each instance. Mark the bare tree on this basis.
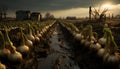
(49, 16)
(98, 14)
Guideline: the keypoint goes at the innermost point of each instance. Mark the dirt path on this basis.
(60, 58)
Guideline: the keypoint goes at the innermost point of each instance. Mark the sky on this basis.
(59, 8)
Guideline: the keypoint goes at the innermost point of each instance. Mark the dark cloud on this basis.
(46, 5)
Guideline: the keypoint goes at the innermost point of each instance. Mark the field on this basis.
(60, 44)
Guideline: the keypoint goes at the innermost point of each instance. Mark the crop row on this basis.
(104, 47)
(18, 39)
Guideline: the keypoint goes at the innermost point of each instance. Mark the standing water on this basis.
(60, 57)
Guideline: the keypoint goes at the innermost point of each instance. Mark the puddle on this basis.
(60, 58)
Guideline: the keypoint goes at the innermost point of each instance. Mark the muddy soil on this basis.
(85, 58)
(59, 50)
(60, 57)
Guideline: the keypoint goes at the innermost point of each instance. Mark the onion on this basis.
(8, 42)
(102, 40)
(37, 39)
(23, 48)
(112, 48)
(101, 52)
(88, 34)
(95, 46)
(39, 35)
(79, 36)
(3, 51)
(88, 43)
(93, 38)
(82, 41)
(29, 43)
(113, 59)
(2, 66)
(29, 35)
(36, 34)
(15, 56)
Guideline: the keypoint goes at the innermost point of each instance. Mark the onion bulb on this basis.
(29, 34)
(37, 38)
(88, 43)
(29, 43)
(30, 37)
(15, 56)
(2, 66)
(82, 41)
(102, 40)
(8, 42)
(23, 48)
(114, 59)
(39, 35)
(79, 36)
(95, 46)
(101, 52)
(4, 52)
(112, 48)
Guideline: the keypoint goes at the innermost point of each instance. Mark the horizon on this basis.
(77, 8)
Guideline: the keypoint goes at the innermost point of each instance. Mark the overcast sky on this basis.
(60, 8)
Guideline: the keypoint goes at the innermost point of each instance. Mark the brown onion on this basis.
(2, 66)
(15, 57)
(29, 34)
(95, 46)
(4, 52)
(101, 52)
(23, 48)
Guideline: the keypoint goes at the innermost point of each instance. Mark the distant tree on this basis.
(49, 16)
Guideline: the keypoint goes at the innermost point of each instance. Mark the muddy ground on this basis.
(59, 50)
